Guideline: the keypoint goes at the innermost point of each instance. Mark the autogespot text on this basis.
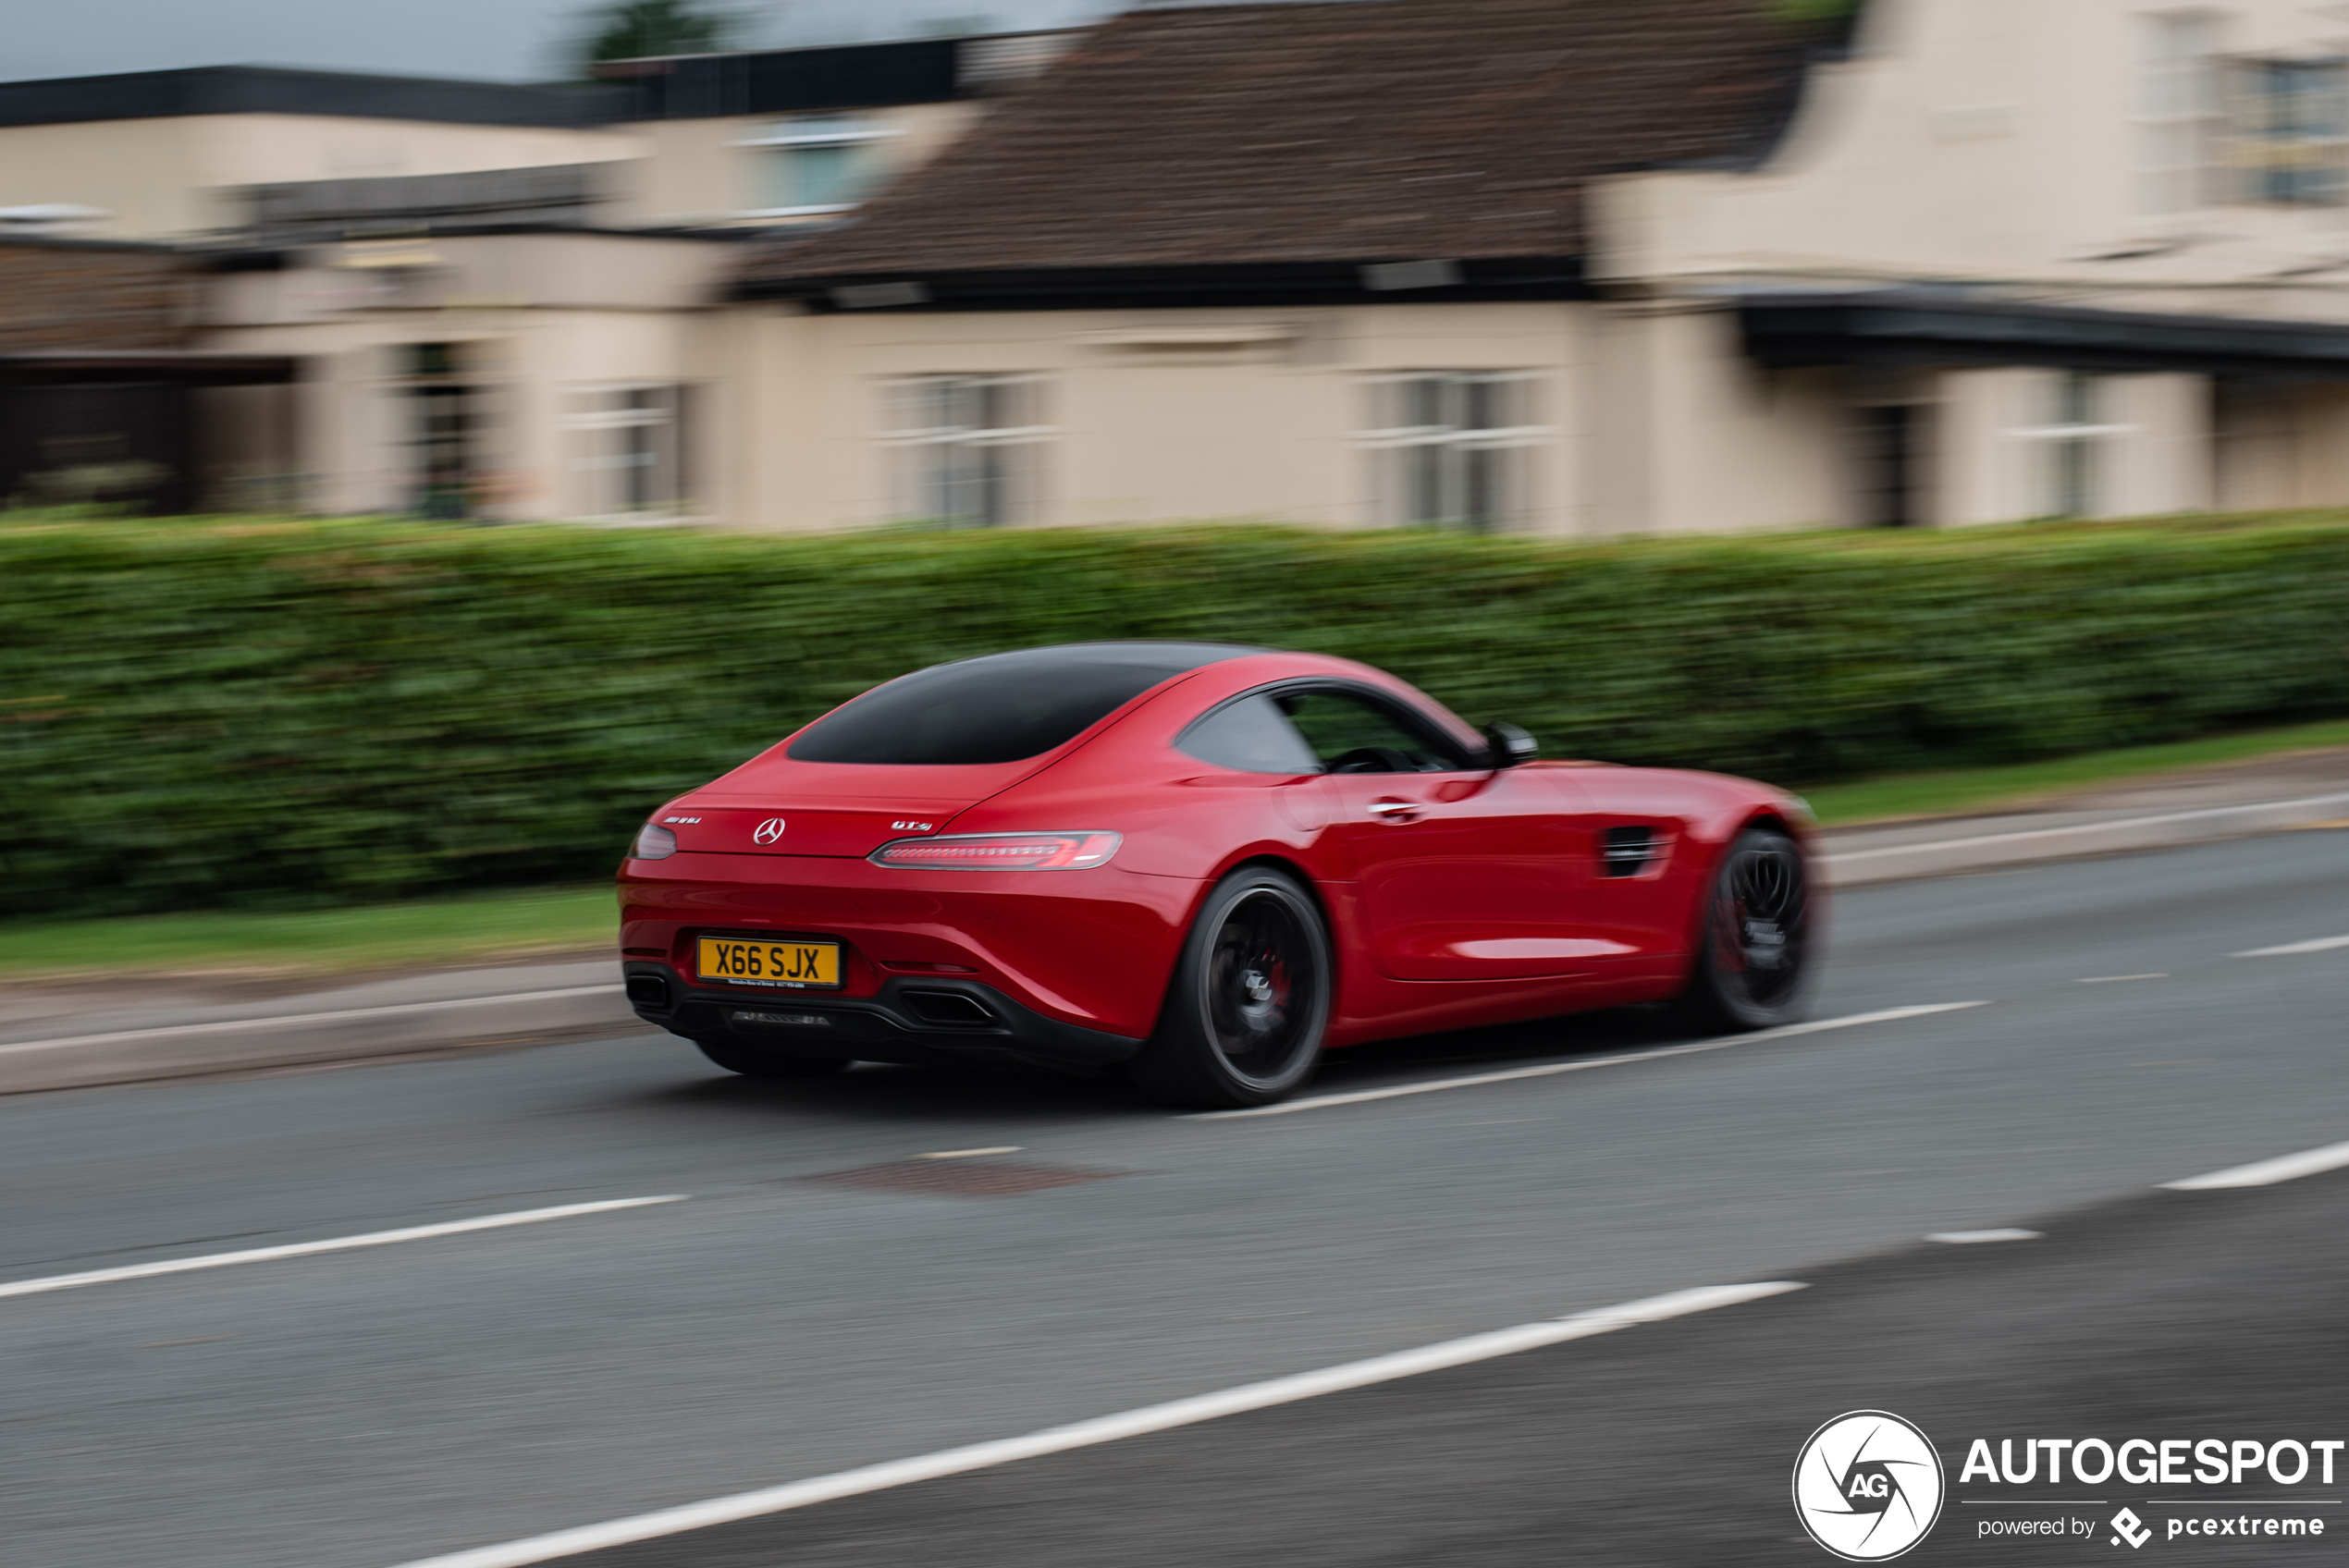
(2181, 1462)
(2144, 1462)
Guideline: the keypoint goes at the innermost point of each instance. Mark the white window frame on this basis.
(814, 130)
(1394, 498)
(2254, 149)
(585, 473)
(2179, 106)
(2089, 441)
(921, 459)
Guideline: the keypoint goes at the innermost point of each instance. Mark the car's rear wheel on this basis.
(1753, 962)
(767, 1061)
(1251, 1002)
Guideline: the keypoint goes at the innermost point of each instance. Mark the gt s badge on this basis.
(768, 831)
(911, 827)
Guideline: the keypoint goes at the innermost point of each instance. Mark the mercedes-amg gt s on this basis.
(1203, 865)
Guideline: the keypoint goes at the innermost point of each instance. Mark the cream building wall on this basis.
(539, 319)
(1989, 140)
(1151, 416)
(175, 177)
(2006, 145)
(1691, 437)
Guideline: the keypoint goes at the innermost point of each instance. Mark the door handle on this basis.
(1395, 811)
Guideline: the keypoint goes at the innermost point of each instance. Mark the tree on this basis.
(631, 30)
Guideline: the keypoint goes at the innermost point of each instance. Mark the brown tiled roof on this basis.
(1359, 131)
(70, 296)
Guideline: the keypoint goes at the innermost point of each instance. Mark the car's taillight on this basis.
(654, 842)
(1002, 852)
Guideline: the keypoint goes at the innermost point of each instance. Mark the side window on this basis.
(1355, 734)
(1251, 736)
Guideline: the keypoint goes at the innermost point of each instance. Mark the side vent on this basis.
(1627, 852)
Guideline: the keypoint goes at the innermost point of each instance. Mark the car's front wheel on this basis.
(1250, 1001)
(765, 1062)
(1755, 949)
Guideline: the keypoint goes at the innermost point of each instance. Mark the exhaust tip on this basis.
(950, 1010)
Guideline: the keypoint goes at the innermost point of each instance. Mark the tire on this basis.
(1250, 999)
(765, 1062)
(1756, 949)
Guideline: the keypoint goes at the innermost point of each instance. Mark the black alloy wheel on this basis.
(1250, 1001)
(1753, 963)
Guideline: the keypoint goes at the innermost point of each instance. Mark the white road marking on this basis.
(338, 1244)
(970, 1154)
(2322, 945)
(1105, 1429)
(2117, 979)
(2268, 1173)
(1975, 1238)
(280, 1021)
(1547, 1070)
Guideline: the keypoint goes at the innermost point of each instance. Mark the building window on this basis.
(446, 433)
(628, 451)
(2288, 139)
(1893, 439)
(2178, 111)
(816, 164)
(966, 450)
(2070, 447)
(1449, 449)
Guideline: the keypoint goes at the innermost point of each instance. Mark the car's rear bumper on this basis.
(912, 1019)
(1092, 950)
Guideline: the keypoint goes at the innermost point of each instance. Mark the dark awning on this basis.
(1893, 328)
(186, 367)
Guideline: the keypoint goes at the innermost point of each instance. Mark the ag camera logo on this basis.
(1868, 1486)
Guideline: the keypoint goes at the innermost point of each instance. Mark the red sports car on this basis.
(1203, 864)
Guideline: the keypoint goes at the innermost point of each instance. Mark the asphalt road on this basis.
(365, 1408)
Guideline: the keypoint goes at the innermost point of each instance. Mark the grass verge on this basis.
(2020, 784)
(420, 931)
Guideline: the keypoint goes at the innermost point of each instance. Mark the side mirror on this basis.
(1507, 746)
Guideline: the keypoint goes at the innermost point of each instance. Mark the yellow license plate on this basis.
(793, 965)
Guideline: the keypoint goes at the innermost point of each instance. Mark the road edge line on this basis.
(2294, 949)
(1552, 1069)
(2267, 1172)
(333, 1243)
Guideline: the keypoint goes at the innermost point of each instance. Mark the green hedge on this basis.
(198, 715)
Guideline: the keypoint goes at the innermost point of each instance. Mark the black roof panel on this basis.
(268, 90)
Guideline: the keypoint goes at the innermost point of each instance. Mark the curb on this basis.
(238, 1045)
(1858, 868)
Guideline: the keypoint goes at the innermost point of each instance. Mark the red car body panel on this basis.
(1454, 899)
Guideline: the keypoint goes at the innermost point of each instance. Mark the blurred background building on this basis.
(1555, 266)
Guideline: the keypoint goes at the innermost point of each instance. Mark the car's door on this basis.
(1466, 873)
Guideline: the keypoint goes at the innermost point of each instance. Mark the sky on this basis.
(509, 40)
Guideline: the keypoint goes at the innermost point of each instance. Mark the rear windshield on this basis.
(1006, 709)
